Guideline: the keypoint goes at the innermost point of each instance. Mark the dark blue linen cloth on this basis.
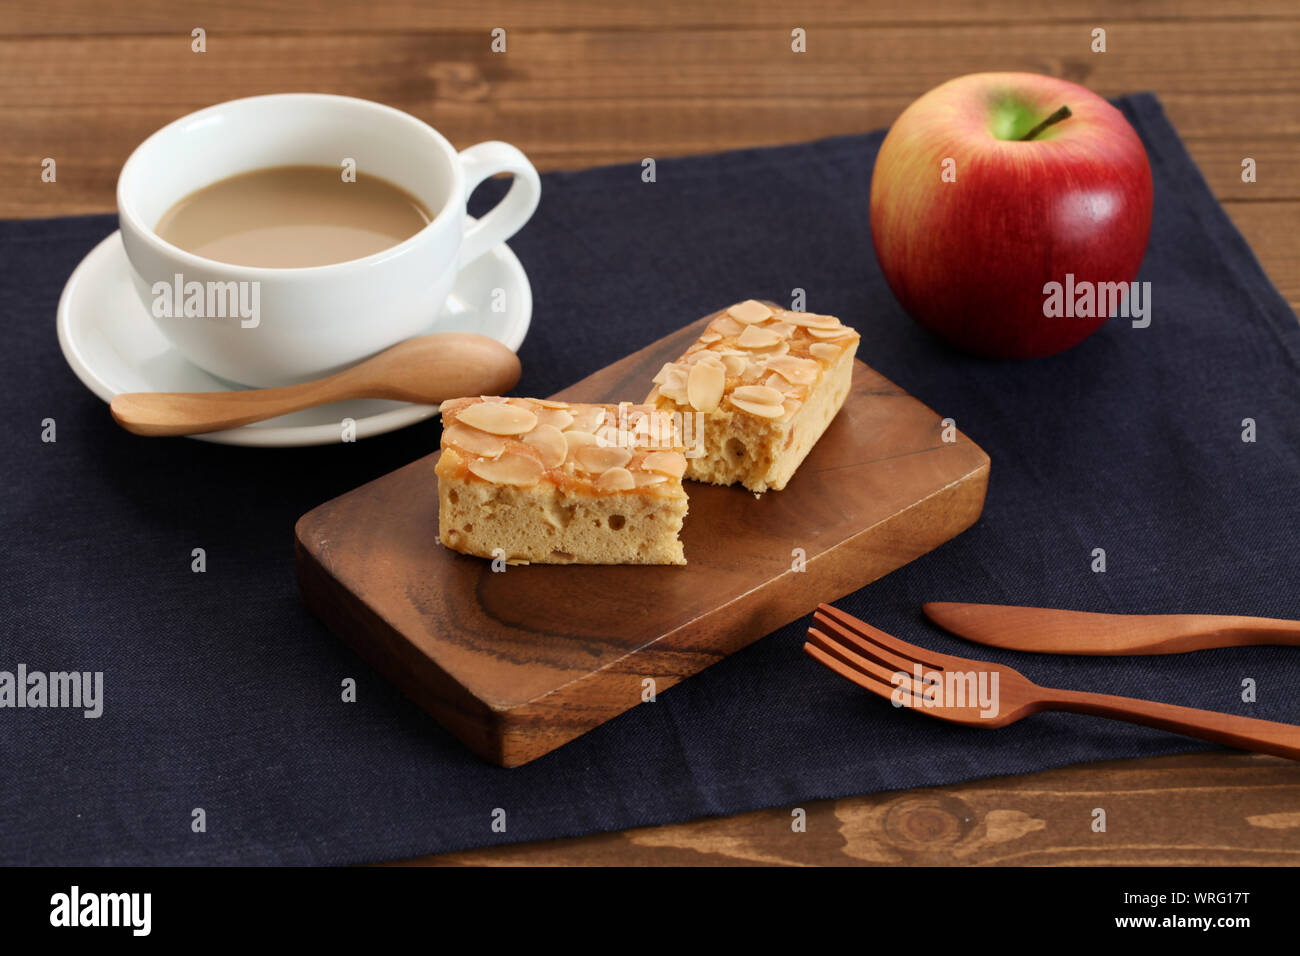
(223, 693)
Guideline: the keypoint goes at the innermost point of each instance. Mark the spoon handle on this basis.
(192, 413)
(424, 370)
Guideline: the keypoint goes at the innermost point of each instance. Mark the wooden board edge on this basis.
(518, 734)
(415, 674)
(560, 717)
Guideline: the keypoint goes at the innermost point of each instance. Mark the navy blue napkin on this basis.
(223, 694)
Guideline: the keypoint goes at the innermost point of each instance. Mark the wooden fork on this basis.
(949, 688)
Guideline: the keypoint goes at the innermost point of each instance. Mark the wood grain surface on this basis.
(1197, 810)
(518, 662)
(584, 82)
(588, 81)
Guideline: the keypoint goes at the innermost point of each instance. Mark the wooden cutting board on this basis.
(519, 662)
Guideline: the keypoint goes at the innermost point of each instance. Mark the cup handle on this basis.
(509, 215)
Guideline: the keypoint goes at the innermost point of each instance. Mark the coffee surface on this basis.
(292, 217)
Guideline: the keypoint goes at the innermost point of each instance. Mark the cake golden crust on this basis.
(768, 382)
(534, 480)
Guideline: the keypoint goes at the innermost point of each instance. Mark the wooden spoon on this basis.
(426, 370)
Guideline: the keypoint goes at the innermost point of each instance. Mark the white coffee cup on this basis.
(316, 320)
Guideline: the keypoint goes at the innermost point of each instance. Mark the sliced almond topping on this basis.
(708, 338)
(751, 373)
(644, 478)
(576, 439)
(755, 338)
(834, 332)
(734, 364)
(498, 419)
(556, 417)
(707, 357)
(662, 375)
(548, 403)
(665, 462)
(726, 325)
(661, 430)
(587, 419)
(509, 469)
(790, 406)
(704, 387)
(758, 395)
(756, 408)
(749, 311)
(825, 351)
(608, 436)
(675, 387)
(601, 458)
(473, 441)
(676, 375)
(615, 479)
(810, 319)
(653, 396)
(645, 432)
(550, 443)
(794, 370)
(775, 381)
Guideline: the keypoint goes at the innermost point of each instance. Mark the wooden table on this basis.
(584, 82)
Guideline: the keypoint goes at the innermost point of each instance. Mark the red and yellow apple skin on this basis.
(969, 259)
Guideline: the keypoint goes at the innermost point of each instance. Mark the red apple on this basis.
(971, 220)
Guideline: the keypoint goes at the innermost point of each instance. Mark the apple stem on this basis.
(1062, 113)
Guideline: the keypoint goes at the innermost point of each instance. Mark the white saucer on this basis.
(113, 346)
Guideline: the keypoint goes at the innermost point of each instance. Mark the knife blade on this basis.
(1056, 631)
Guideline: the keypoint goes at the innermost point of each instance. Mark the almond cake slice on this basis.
(533, 480)
(767, 382)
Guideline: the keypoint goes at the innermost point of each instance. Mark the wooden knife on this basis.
(1049, 631)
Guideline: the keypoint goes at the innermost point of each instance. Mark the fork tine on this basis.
(864, 681)
(871, 672)
(866, 644)
(931, 659)
(864, 665)
(849, 656)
